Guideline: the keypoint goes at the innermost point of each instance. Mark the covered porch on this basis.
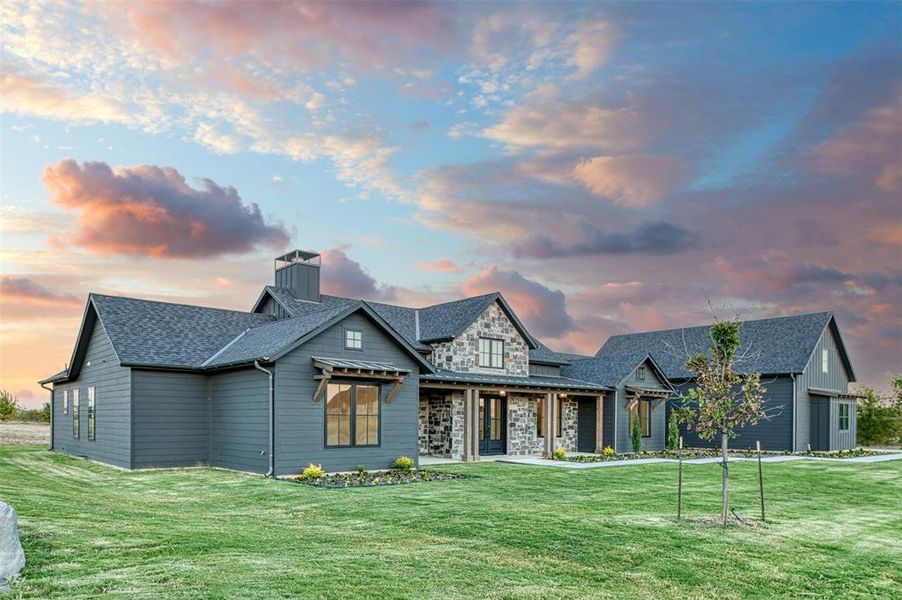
(472, 416)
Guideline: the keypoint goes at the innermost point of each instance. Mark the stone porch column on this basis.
(550, 423)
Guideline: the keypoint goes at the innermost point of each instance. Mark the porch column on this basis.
(599, 424)
(471, 424)
(550, 424)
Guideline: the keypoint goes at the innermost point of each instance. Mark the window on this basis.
(825, 360)
(540, 417)
(65, 402)
(353, 339)
(75, 420)
(560, 418)
(91, 413)
(491, 353)
(844, 416)
(642, 411)
(640, 374)
(352, 415)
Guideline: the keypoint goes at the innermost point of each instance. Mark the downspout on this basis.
(272, 411)
(44, 385)
(795, 424)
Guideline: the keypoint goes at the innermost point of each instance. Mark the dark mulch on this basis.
(375, 478)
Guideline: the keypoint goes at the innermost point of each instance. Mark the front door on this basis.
(493, 425)
(585, 425)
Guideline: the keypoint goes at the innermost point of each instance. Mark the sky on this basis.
(608, 167)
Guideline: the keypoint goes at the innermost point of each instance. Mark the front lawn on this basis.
(517, 531)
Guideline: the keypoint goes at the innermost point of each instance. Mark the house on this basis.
(304, 377)
(804, 365)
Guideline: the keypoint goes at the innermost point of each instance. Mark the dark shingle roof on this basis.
(267, 340)
(146, 332)
(403, 320)
(59, 376)
(609, 371)
(770, 346)
(544, 354)
(449, 319)
(564, 383)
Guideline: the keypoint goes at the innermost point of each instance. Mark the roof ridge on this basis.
(231, 310)
(495, 294)
(792, 316)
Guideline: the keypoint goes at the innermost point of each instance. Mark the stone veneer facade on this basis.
(462, 353)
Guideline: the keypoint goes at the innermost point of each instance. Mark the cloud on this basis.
(871, 146)
(444, 265)
(592, 45)
(343, 276)
(33, 96)
(221, 143)
(151, 210)
(24, 289)
(543, 310)
(636, 180)
(653, 238)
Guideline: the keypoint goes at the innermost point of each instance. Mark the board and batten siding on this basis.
(171, 419)
(239, 420)
(538, 370)
(112, 403)
(300, 432)
(774, 433)
(835, 380)
(658, 438)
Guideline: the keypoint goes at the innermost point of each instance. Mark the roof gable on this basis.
(613, 371)
(446, 321)
(769, 346)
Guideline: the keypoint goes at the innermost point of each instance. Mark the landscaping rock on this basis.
(12, 557)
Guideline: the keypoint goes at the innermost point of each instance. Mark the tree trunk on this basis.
(726, 480)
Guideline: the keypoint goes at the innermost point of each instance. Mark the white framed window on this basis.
(491, 353)
(76, 422)
(825, 361)
(91, 414)
(353, 339)
(640, 374)
(65, 402)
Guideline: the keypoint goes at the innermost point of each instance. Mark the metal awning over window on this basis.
(833, 394)
(360, 369)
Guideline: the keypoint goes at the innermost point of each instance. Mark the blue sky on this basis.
(609, 167)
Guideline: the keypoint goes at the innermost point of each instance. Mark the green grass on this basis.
(517, 531)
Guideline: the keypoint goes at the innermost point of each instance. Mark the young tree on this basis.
(673, 432)
(876, 419)
(636, 434)
(45, 412)
(8, 406)
(722, 400)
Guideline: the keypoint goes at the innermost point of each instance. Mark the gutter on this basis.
(795, 423)
(272, 406)
(44, 385)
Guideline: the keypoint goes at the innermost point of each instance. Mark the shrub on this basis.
(361, 469)
(559, 454)
(636, 436)
(404, 463)
(673, 432)
(608, 452)
(312, 472)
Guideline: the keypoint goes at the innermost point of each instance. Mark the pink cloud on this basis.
(636, 180)
(444, 265)
(151, 210)
(344, 276)
(24, 289)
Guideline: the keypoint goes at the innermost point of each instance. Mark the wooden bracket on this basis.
(394, 390)
(323, 382)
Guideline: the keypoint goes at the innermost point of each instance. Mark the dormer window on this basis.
(491, 353)
(640, 374)
(353, 339)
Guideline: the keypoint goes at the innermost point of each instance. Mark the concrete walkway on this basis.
(538, 461)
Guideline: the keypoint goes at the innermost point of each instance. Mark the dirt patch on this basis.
(14, 433)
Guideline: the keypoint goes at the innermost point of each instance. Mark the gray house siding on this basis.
(658, 423)
(835, 380)
(239, 420)
(538, 370)
(300, 420)
(775, 433)
(271, 307)
(607, 419)
(171, 420)
(112, 389)
(843, 440)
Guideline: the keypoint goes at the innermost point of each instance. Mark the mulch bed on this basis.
(377, 478)
(692, 453)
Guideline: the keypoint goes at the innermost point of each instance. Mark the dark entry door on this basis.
(820, 422)
(585, 424)
(493, 431)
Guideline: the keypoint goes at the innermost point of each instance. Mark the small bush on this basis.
(559, 454)
(608, 452)
(404, 463)
(361, 469)
(312, 472)
(673, 432)
(636, 435)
